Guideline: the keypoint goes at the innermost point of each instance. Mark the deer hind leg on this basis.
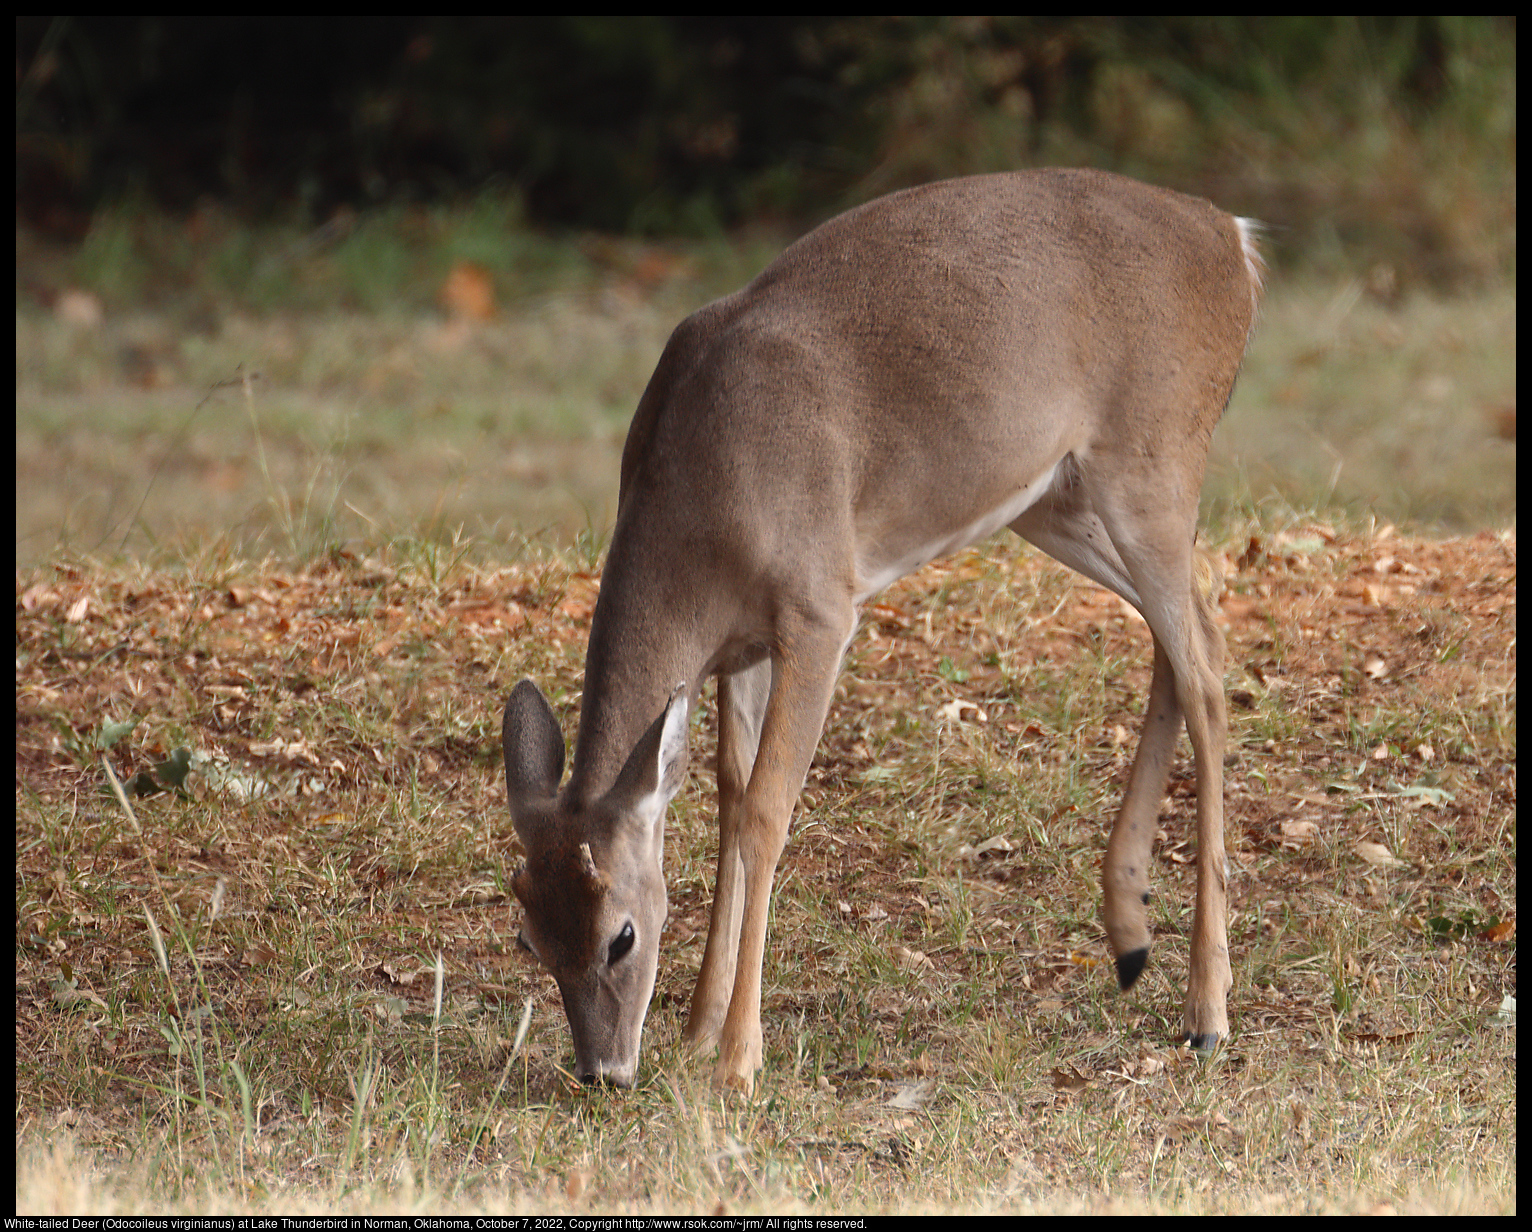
(804, 666)
(1206, 1018)
(1158, 551)
(1068, 529)
(1147, 558)
(1129, 851)
(741, 708)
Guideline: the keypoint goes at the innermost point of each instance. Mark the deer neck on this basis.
(641, 647)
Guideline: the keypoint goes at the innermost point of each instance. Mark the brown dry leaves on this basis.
(217, 658)
(1361, 668)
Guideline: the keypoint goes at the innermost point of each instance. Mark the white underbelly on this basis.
(879, 564)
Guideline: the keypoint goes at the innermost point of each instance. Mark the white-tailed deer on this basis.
(1045, 350)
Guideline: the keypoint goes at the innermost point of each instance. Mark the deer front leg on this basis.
(803, 676)
(741, 707)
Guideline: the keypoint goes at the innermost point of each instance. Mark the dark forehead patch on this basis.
(562, 894)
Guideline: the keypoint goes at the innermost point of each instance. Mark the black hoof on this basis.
(1130, 966)
(1202, 1045)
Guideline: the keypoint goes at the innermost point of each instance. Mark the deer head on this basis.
(593, 885)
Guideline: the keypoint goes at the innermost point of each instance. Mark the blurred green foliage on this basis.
(1394, 131)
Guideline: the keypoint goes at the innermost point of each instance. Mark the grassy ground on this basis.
(228, 995)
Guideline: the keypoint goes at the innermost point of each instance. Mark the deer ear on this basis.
(533, 747)
(657, 766)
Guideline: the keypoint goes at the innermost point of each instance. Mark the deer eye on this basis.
(621, 944)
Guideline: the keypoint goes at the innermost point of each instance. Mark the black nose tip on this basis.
(605, 1080)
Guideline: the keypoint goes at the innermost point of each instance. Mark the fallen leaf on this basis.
(1377, 854)
(1500, 931)
(913, 1095)
(1070, 1080)
(469, 292)
(957, 708)
(1298, 830)
(998, 843)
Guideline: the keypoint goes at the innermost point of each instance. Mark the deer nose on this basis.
(606, 1078)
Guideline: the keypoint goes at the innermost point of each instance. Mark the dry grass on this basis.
(1404, 408)
(942, 1028)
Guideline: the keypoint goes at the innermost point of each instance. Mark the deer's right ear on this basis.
(657, 767)
(533, 746)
